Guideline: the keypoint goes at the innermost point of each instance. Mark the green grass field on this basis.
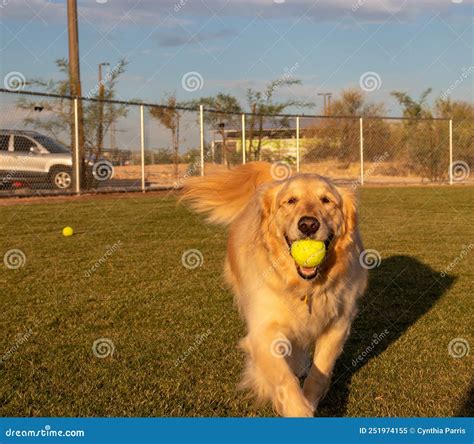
(175, 330)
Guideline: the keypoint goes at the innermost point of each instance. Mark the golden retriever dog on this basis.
(291, 312)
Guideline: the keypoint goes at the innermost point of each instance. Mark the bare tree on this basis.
(169, 118)
(424, 138)
(462, 114)
(264, 112)
(353, 103)
(413, 109)
(100, 115)
(61, 125)
(59, 122)
(227, 109)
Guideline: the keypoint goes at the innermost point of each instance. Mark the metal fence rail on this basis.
(62, 144)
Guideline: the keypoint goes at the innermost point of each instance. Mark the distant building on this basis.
(277, 143)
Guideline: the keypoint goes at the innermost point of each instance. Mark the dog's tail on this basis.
(224, 195)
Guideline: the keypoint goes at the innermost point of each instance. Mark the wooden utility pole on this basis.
(100, 124)
(75, 83)
(327, 103)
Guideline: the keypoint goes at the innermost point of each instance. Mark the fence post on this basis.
(244, 148)
(201, 134)
(142, 145)
(361, 127)
(298, 144)
(450, 151)
(76, 148)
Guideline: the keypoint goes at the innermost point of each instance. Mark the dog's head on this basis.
(308, 206)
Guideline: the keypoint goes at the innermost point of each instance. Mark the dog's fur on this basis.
(287, 312)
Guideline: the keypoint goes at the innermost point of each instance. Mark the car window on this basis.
(22, 144)
(4, 138)
(51, 145)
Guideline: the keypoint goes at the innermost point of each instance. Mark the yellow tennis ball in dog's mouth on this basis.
(308, 253)
(68, 231)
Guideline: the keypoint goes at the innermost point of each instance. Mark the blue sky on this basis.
(234, 45)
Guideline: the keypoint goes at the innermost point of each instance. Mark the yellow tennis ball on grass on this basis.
(308, 253)
(68, 231)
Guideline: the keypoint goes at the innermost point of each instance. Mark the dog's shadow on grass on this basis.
(467, 408)
(400, 291)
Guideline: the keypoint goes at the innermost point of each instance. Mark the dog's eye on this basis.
(325, 200)
(292, 200)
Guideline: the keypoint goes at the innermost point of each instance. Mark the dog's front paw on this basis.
(293, 404)
(303, 410)
(315, 388)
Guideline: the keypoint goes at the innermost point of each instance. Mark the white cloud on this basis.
(153, 12)
(106, 14)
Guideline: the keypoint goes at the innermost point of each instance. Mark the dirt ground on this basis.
(92, 196)
(375, 172)
(128, 179)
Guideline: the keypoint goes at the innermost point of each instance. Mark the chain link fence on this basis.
(331, 147)
(131, 146)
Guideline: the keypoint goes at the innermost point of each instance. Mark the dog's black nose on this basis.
(308, 225)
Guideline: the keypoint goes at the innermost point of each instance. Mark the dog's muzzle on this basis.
(309, 273)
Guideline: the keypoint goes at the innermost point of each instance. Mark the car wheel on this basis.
(5, 185)
(61, 178)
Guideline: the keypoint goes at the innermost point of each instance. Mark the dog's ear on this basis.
(349, 210)
(267, 198)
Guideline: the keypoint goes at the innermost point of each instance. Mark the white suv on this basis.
(30, 157)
